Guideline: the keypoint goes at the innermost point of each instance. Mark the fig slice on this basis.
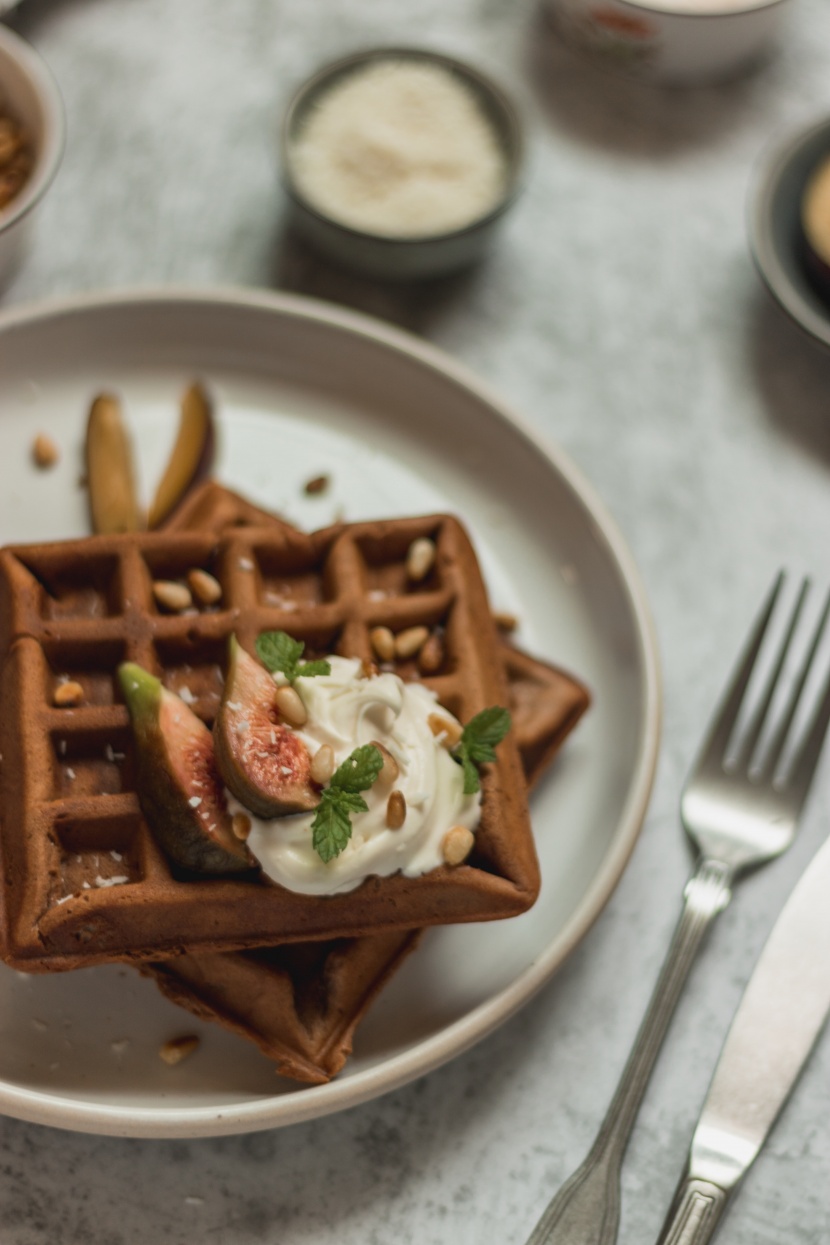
(113, 502)
(190, 457)
(179, 787)
(264, 763)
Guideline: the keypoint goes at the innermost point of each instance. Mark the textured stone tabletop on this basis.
(621, 313)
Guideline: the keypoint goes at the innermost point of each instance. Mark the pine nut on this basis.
(322, 764)
(172, 596)
(44, 451)
(369, 669)
(390, 771)
(431, 656)
(290, 706)
(439, 724)
(206, 589)
(504, 621)
(68, 695)
(395, 810)
(179, 1048)
(410, 641)
(318, 484)
(457, 845)
(241, 826)
(383, 642)
(420, 558)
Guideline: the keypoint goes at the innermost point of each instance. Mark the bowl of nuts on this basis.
(31, 143)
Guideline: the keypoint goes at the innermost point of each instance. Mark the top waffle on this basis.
(68, 809)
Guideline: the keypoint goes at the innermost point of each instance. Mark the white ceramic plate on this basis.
(305, 388)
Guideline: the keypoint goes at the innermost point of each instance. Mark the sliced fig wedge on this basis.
(264, 763)
(179, 787)
(109, 468)
(190, 457)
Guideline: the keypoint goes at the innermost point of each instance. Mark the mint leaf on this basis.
(311, 668)
(472, 782)
(358, 771)
(331, 828)
(278, 651)
(477, 744)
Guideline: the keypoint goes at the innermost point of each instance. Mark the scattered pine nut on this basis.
(457, 844)
(322, 764)
(44, 451)
(369, 668)
(241, 826)
(172, 596)
(67, 695)
(395, 810)
(448, 727)
(383, 642)
(431, 656)
(390, 771)
(290, 706)
(420, 558)
(179, 1048)
(205, 588)
(504, 621)
(318, 484)
(410, 641)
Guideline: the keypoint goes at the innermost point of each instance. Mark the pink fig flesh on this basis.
(264, 762)
(179, 785)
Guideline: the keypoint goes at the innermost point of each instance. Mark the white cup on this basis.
(673, 41)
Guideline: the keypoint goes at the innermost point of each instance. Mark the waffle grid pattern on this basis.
(84, 880)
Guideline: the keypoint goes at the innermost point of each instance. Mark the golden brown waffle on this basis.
(301, 1004)
(545, 702)
(84, 881)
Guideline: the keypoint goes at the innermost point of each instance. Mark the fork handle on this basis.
(585, 1211)
(707, 893)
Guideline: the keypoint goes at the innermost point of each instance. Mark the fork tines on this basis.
(759, 745)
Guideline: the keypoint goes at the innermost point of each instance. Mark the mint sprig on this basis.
(331, 828)
(280, 652)
(477, 744)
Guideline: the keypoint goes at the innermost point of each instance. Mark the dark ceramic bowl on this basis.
(402, 258)
(775, 233)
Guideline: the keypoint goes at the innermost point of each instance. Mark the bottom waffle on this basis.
(301, 1004)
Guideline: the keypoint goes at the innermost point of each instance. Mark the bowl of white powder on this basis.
(399, 163)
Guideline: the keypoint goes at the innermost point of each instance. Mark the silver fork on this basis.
(738, 815)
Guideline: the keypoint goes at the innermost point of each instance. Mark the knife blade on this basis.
(772, 1034)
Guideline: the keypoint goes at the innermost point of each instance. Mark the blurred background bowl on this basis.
(775, 231)
(681, 42)
(410, 257)
(29, 94)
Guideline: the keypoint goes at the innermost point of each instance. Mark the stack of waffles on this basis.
(84, 881)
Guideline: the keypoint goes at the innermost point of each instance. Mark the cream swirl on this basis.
(346, 710)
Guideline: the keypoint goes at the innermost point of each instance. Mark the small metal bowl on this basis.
(411, 257)
(28, 89)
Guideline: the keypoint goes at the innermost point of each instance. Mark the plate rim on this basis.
(67, 1112)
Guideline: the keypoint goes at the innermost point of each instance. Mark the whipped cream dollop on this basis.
(346, 709)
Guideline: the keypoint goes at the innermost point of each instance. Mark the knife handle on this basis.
(695, 1213)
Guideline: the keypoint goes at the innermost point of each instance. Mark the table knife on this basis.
(775, 1028)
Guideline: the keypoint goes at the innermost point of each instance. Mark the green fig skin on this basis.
(262, 761)
(179, 787)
